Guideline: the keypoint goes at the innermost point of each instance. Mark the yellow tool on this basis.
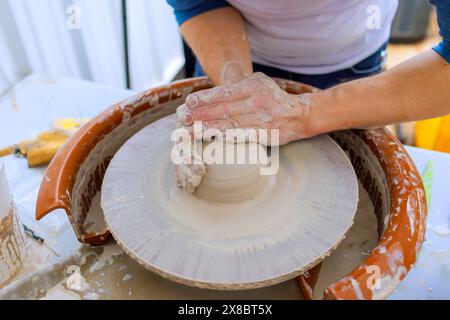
(41, 150)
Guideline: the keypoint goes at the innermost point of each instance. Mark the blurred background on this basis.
(136, 44)
(123, 43)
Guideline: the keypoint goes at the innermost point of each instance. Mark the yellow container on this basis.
(434, 134)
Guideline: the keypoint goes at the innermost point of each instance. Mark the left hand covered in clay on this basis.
(256, 102)
(190, 172)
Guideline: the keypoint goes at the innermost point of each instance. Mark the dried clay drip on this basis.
(12, 237)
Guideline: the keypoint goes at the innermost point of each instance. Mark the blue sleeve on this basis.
(186, 9)
(443, 14)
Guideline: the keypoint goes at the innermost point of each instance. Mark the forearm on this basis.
(415, 90)
(219, 40)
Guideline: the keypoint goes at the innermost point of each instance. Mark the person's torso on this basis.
(315, 36)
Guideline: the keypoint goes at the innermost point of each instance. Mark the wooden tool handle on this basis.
(6, 151)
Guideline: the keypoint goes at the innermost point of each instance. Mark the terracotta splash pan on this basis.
(383, 166)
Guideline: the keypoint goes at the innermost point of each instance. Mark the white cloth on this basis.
(315, 37)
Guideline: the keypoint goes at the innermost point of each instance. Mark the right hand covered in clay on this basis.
(256, 102)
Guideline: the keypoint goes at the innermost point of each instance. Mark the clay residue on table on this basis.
(111, 274)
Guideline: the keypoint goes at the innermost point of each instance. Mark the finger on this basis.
(215, 95)
(246, 121)
(222, 111)
(231, 128)
(184, 116)
(249, 128)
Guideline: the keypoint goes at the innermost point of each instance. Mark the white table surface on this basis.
(34, 103)
(27, 110)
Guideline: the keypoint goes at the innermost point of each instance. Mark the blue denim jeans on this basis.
(368, 67)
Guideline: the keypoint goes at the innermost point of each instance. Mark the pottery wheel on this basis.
(278, 227)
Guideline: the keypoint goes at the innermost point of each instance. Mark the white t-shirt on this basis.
(315, 36)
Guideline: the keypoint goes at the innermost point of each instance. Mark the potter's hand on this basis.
(189, 175)
(190, 168)
(256, 102)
